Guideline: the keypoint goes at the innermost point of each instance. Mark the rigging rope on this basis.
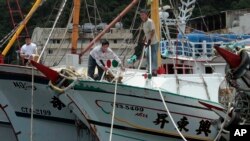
(127, 37)
(205, 85)
(46, 25)
(9, 35)
(202, 16)
(61, 43)
(53, 27)
(141, 58)
(87, 9)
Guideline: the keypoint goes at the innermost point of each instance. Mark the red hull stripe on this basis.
(49, 73)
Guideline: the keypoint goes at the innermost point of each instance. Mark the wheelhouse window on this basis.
(208, 70)
(180, 68)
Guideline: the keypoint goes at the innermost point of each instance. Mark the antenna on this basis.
(186, 10)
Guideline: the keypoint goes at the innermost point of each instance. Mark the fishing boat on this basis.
(48, 115)
(137, 107)
(28, 108)
(5, 126)
(133, 105)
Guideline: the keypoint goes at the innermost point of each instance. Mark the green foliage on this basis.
(5, 20)
(241, 4)
(208, 7)
(108, 11)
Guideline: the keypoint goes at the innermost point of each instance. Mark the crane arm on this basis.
(21, 27)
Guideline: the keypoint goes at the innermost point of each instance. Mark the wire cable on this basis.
(53, 27)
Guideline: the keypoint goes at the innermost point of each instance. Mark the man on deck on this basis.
(150, 40)
(28, 50)
(96, 57)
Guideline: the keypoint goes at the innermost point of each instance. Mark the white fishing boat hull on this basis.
(6, 131)
(52, 119)
(139, 110)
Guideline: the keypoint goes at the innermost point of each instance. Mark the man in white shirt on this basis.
(150, 39)
(28, 50)
(96, 57)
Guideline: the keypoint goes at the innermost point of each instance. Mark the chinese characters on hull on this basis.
(161, 119)
(204, 126)
(183, 123)
(57, 103)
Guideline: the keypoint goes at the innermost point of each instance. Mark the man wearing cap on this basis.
(150, 39)
(96, 57)
(28, 50)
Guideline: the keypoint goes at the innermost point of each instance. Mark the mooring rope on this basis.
(170, 116)
(32, 105)
(113, 111)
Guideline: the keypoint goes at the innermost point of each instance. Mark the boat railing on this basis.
(193, 50)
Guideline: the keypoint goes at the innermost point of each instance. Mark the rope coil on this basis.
(67, 76)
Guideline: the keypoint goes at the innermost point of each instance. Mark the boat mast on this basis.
(118, 18)
(21, 26)
(156, 19)
(75, 35)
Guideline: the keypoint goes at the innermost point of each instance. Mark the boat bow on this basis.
(49, 73)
